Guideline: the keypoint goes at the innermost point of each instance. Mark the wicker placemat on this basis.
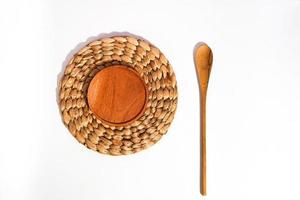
(160, 81)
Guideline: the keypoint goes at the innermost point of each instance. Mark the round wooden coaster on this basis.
(117, 95)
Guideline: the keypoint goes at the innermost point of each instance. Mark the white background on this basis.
(253, 121)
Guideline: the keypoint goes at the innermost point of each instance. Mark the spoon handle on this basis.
(203, 142)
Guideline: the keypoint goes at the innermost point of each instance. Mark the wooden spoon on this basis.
(203, 60)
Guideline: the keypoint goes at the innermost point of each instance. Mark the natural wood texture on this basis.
(203, 61)
(117, 94)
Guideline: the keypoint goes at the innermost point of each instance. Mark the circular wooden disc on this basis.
(117, 95)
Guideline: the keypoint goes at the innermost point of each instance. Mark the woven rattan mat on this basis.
(160, 81)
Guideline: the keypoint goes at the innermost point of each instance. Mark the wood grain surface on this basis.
(117, 95)
(203, 61)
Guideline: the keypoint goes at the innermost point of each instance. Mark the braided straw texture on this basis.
(160, 81)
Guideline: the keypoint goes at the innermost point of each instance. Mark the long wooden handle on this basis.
(203, 62)
(203, 143)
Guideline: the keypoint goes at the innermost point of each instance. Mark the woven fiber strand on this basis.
(160, 81)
